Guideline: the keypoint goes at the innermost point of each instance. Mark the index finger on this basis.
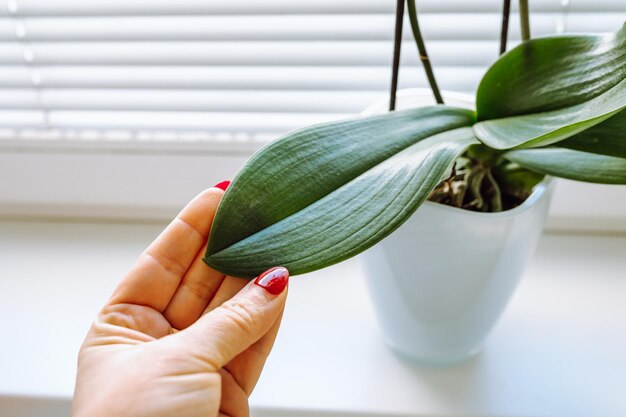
(153, 280)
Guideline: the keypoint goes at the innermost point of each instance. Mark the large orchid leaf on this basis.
(575, 165)
(552, 73)
(541, 129)
(323, 194)
(607, 138)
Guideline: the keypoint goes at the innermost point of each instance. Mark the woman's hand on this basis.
(178, 338)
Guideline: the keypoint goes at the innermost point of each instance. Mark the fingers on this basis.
(198, 287)
(201, 290)
(228, 330)
(158, 271)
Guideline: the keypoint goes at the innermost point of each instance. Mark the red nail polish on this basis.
(222, 185)
(273, 280)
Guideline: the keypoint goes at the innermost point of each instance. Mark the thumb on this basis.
(225, 332)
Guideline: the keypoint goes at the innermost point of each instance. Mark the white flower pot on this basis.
(441, 281)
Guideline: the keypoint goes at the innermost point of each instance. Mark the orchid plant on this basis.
(317, 196)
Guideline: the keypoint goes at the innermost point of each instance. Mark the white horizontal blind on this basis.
(235, 71)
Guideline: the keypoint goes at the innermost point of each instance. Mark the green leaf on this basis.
(305, 165)
(359, 207)
(606, 138)
(541, 129)
(575, 165)
(552, 73)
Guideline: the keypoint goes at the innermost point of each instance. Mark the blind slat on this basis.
(21, 118)
(595, 22)
(256, 7)
(15, 76)
(595, 5)
(448, 26)
(216, 122)
(301, 78)
(18, 99)
(11, 53)
(190, 100)
(349, 53)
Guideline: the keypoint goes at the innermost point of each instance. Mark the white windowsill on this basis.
(558, 350)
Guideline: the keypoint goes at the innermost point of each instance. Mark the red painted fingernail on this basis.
(273, 280)
(222, 185)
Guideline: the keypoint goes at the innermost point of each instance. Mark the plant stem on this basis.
(506, 11)
(524, 20)
(397, 46)
(421, 47)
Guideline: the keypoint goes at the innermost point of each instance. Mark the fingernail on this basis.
(222, 185)
(273, 280)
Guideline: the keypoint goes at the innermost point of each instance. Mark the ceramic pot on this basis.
(440, 282)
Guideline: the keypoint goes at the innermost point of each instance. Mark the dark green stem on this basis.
(506, 11)
(397, 46)
(524, 19)
(421, 47)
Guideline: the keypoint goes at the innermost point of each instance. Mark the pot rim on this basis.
(464, 100)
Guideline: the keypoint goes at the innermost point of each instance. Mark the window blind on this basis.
(110, 71)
